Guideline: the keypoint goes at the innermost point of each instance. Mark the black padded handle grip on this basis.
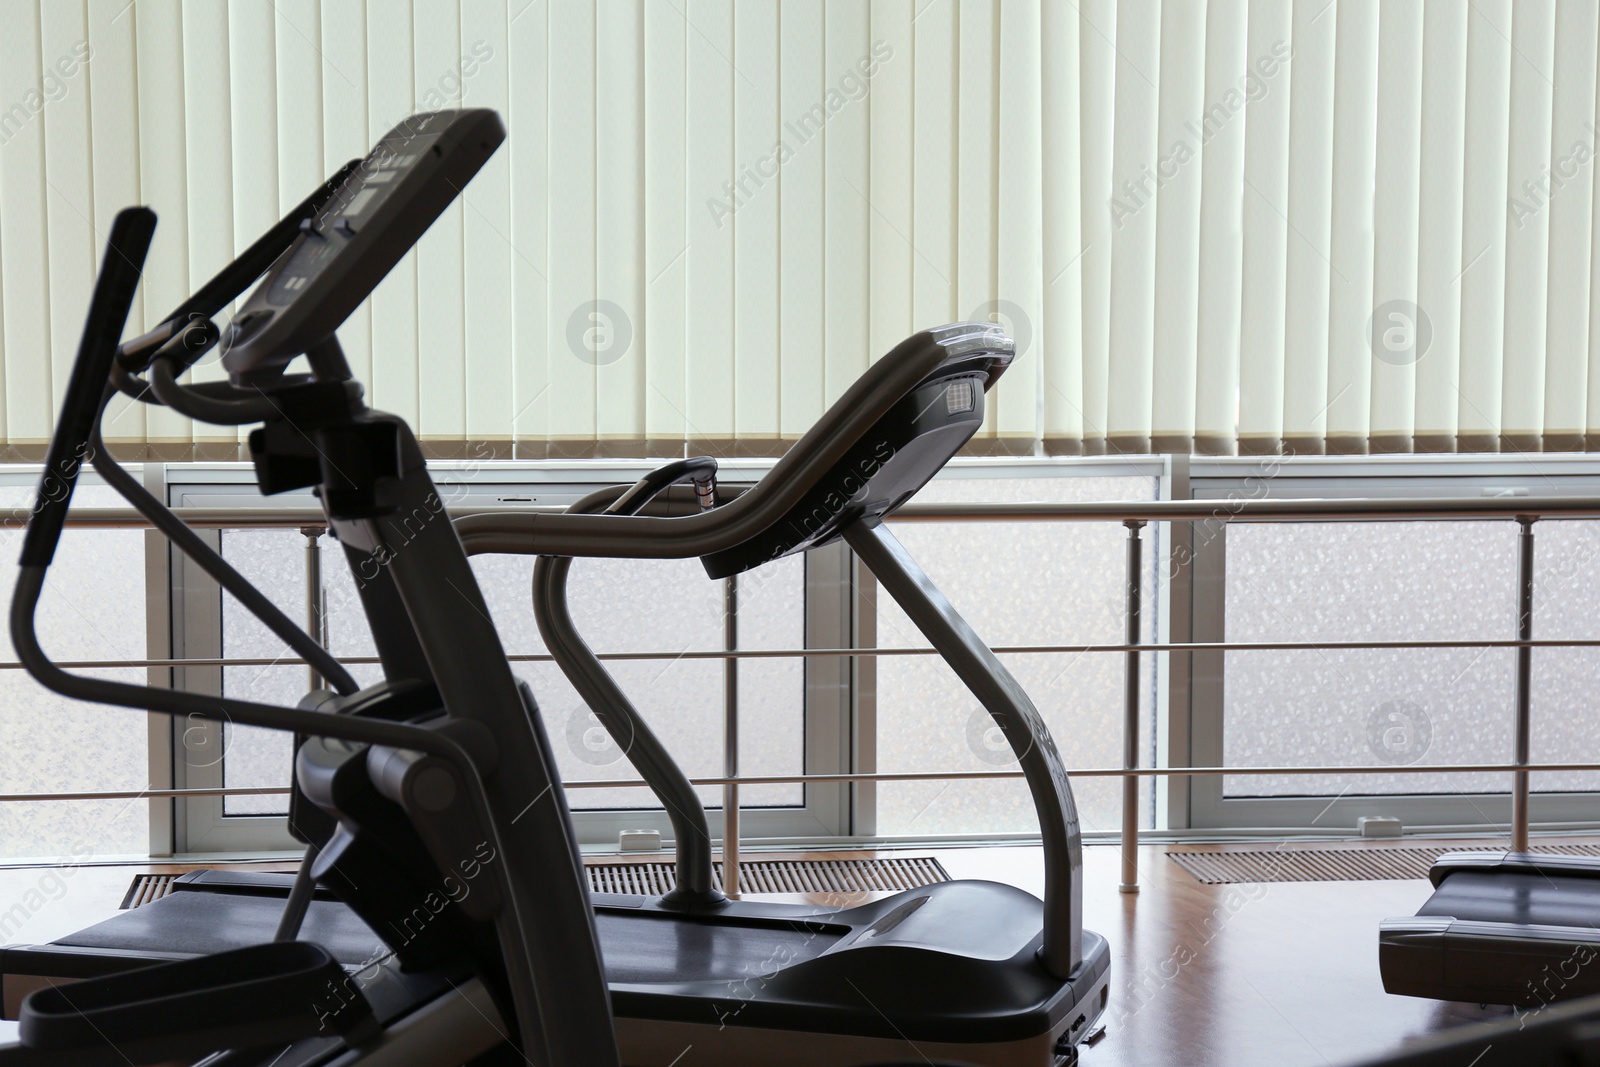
(108, 314)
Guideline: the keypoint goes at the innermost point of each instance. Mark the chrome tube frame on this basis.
(505, 523)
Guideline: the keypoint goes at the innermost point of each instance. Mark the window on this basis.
(1017, 584)
(93, 609)
(669, 610)
(1390, 581)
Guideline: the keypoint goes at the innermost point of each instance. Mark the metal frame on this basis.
(1205, 654)
(200, 820)
(1371, 488)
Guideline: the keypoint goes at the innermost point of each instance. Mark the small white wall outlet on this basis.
(639, 840)
(1379, 826)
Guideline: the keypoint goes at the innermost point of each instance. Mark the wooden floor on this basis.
(1279, 974)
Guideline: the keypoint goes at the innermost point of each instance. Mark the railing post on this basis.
(730, 737)
(316, 604)
(1130, 709)
(1519, 781)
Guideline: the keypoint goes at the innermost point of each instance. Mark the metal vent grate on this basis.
(755, 876)
(145, 888)
(1312, 863)
(780, 876)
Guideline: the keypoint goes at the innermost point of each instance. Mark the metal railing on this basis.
(1134, 515)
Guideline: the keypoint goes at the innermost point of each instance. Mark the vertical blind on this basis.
(1212, 225)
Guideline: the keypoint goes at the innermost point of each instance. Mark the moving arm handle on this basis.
(108, 315)
(696, 885)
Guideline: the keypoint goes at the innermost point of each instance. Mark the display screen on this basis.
(359, 202)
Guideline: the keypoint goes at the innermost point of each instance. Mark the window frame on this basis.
(199, 825)
(1201, 805)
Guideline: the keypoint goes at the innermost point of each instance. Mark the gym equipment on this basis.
(435, 779)
(1566, 1034)
(404, 785)
(1512, 928)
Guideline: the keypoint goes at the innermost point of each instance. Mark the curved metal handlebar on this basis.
(108, 314)
(696, 885)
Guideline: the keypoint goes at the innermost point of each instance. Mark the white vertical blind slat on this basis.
(390, 61)
(712, 283)
(217, 190)
(578, 334)
(1351, 244)
(1059, 338)
(1221, 228)
(847, 215)
(342, 73)
(1441, 226)
(163, 178)
(756, 50)
(1177, 244)
(69, 186)
(299, 103)
(1266, 237)
(619, 223)
(1019, 222)
(1134, 152)
(1485, 147)
(1527, 238)
(23, 238)
(1395, 330)
(1097, 59)
(489, 258)
(111, 79)
(892, 242)
(441, 349)
(801, 199)
(1570, 201)
(667, 206)
(1310, 76)
(528, 38)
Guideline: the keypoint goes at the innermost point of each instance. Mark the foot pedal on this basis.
(271, 994)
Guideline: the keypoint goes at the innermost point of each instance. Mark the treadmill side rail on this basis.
(1005, 699)
(1518, 862)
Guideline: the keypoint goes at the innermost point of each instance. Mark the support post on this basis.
(1130, 709)
(316, 604)
(1519, 781)
(730, 737)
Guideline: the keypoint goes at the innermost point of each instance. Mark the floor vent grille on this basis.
(1322, 863)
(889, 875)
(145, 888)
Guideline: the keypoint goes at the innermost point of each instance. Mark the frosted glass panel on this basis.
(668, 607)
(618, 605)
(93, 608)
(1018, 584)
(1383, 582)
(274, 562)
(1566, 604)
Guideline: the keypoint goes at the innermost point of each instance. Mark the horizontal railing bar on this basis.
(877, 776)
(1093, 772)
(811, 653)
(1254, 510)
(145, 794)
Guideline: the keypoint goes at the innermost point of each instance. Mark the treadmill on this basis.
(1514, 928)
(972, 973)
(965, 971)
